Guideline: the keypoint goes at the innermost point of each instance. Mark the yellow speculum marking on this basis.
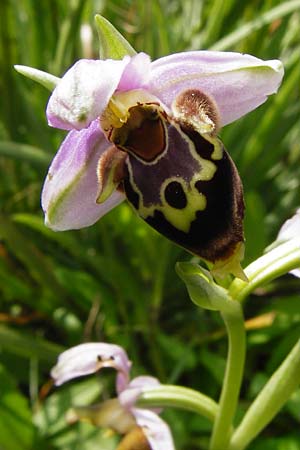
(207, 168)
(179, 218)
(196, 201)
(182, 218)
(217, 154)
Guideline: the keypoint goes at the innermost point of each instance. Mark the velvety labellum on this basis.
(178, 176)
(191, 193)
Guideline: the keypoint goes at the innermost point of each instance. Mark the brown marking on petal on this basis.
(197, 109)
(134, 440)
(110, 172)
(148, 141)
(143, 133)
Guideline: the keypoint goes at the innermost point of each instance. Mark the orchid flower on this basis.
(120, 414)
(147, 131)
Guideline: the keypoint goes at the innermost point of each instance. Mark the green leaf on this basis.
(84, 436)
(176, 350)
(112, 44)
(262, 20)
(256, 242)
(25, 251)
(275, 393)
(287, 442)
(50, 417)
(214, 363)
(16, 429)
(293, 405)
(24, 152)
(21, 344)
(201, 287)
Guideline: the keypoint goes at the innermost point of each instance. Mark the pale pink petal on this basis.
(295, 272)
(88, 358)
(130, 395)
(84, 92)
(136, 72)
(156, 430)
(291, 230)
(71, 186)
(237, 82)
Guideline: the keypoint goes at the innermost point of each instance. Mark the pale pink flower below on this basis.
(291, 230)
(121, 414)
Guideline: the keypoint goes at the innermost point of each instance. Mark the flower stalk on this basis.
(179, 397)
(234, 323)
(269, 401)
(276, 262)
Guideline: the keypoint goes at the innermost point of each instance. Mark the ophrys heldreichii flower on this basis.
(147, 131)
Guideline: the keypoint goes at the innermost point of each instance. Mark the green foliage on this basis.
(16, 428)
(116, 281)
(202, 288)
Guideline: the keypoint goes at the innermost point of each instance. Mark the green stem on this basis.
(179, 397)
(233, 376)
(159, 279)
(276, 262)
(269, 401)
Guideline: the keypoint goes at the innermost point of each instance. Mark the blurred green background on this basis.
(116, 281)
